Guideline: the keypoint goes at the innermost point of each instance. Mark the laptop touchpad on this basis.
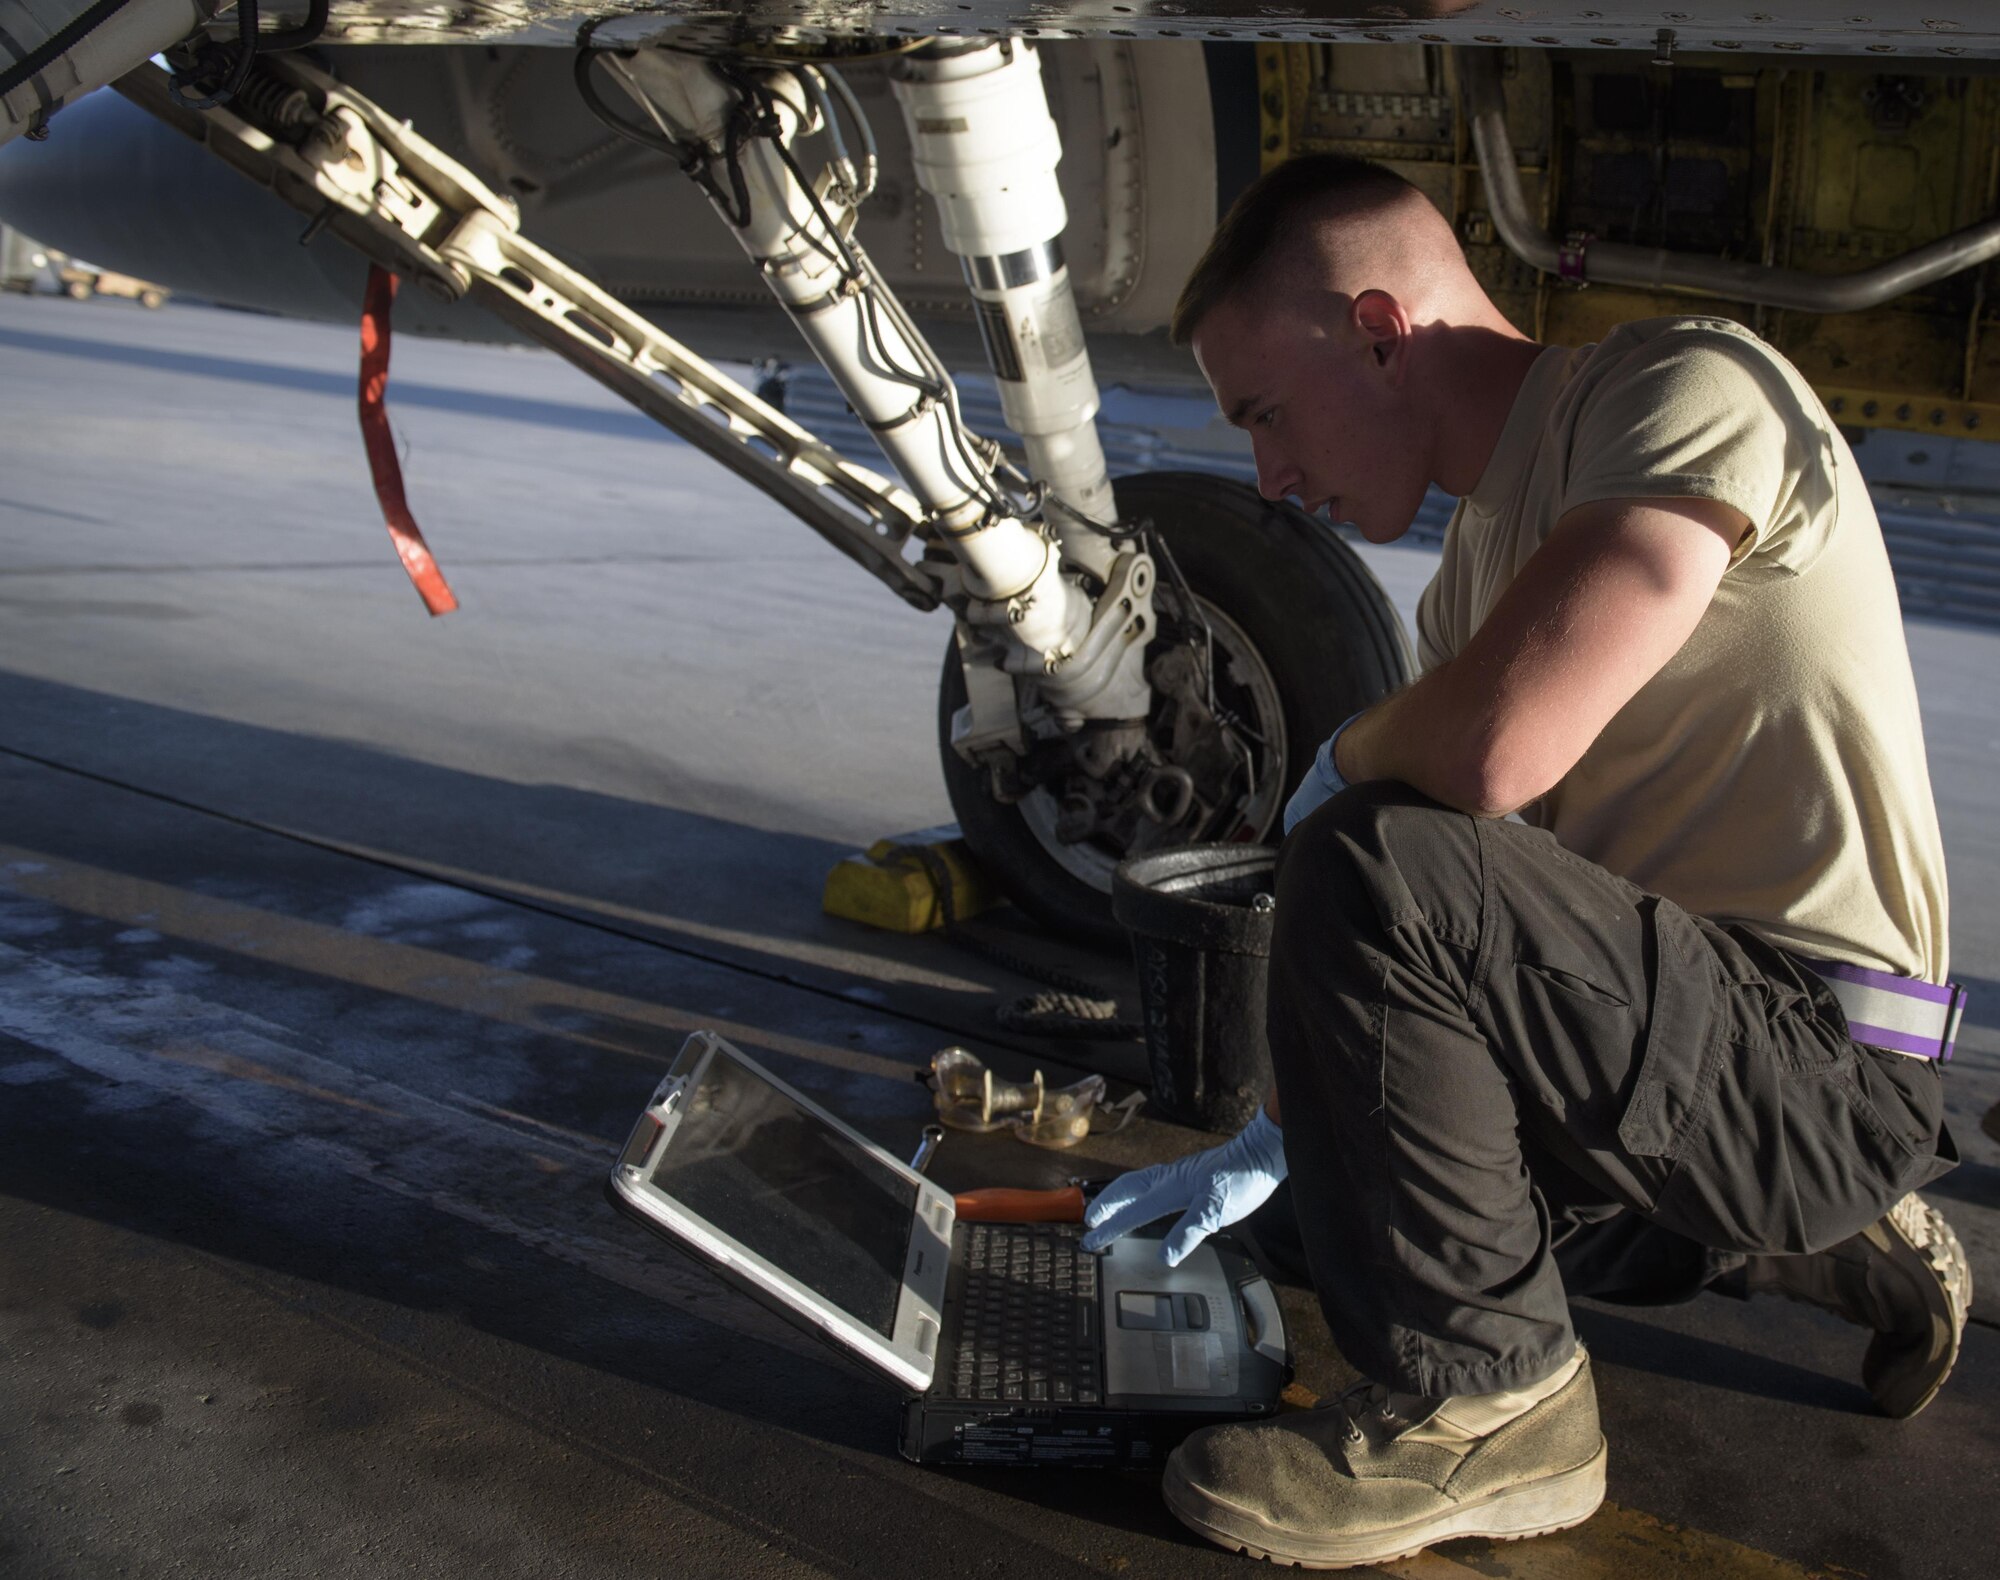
(1141, 1309)
(1194, 1362)
(1185, 1354)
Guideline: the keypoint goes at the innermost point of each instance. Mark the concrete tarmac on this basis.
(339, 947)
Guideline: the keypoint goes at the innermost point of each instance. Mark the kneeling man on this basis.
(1679, 1026)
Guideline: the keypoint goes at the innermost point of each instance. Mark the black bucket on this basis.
(1203, 950)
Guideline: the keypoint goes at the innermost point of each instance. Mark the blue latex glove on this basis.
(1209, 1190)
(1322, 782)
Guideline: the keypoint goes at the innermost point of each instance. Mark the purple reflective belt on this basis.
(1901, 1014)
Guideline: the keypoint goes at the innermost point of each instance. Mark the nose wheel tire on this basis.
(1302, 637)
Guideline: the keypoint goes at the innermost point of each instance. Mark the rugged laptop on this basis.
(1013, 1346)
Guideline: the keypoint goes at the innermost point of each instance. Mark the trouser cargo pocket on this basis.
(1601, 1000)
(1803, 1137)
(1677, 1076)
(1482, 1040)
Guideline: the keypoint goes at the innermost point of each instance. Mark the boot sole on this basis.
(1922, 1246)
(1535, 1508)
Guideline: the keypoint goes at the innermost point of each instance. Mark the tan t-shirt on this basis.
(1773, 773)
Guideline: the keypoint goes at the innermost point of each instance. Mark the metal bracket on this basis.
(404, 203)
(989, 720)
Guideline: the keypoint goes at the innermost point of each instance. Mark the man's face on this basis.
(1326, 409)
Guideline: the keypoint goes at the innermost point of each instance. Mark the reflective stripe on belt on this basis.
(1900, 1014)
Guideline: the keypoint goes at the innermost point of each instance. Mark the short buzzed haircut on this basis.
(1268, 213)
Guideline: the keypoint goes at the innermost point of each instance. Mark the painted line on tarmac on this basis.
(315, 1117)
(541, 1190)
(620, 919)
(632, 925)
(544, 1190)
(609, 1022)
(486, 1171)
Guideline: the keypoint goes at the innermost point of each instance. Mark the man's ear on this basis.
(1384, 326)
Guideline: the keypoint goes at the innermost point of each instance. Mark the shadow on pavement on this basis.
(1976, 1184)
(730, 891)
(402, 1291)
(616, 422)
(1618, 1340)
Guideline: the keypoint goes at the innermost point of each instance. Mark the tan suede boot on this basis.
(1374, 1476)
(1907, 1277)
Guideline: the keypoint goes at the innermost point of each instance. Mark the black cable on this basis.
(980, 485)
(630, 130)
(307, 32)
(231, 65)
(1116, 534)
(498, 890)
(735, 207)
(756, 116)
(732, 160)
(845, 255)
(871, 160)
(947, 391)
(213, 60)
(934, 381)
(860, 272)
(58, 44)
(1077, 1008)
(692, 157)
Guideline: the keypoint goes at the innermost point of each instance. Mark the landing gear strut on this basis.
(1126, 672)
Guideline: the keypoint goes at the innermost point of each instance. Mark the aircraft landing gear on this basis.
(1271, 632)
(1127, 672)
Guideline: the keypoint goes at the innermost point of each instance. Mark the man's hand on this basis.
(1595, 613)
(1209, 1190)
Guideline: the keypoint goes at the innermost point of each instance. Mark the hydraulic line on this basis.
(986, 150)
(1584, 259)
(734, 127)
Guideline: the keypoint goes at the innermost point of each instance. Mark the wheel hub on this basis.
(1208, 764)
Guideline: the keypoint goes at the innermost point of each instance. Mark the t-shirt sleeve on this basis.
(1442, 616)
(1696, 414)
(1434, 643)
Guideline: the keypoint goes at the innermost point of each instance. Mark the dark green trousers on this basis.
(1508, 1076)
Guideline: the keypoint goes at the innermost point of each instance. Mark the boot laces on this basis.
(1366, 1398)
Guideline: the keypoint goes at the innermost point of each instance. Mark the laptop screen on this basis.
(783, 1184)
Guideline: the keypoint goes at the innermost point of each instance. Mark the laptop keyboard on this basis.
(1027, 1316)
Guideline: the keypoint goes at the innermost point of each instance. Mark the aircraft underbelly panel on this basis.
(1137, 177)
(1951, 28)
